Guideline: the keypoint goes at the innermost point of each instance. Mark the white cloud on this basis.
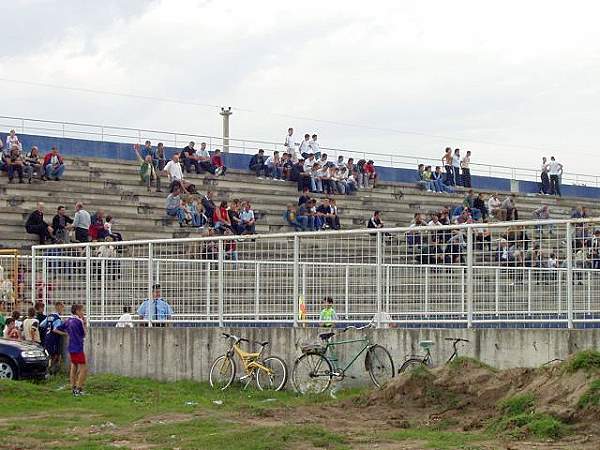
(521, 73)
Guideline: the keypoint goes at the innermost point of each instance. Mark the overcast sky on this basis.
(477, 74)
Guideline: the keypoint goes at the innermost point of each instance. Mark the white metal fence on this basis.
(501, 274)
(395, 159)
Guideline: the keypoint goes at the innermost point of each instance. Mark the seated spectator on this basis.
(323, 160)
(189, 159)
(375, 221)
(350, 166)
(340, 164)
(54, 166)
(413, 236)
(209, 206)
(304, 197)
(318, 219)
(234, 216)
(309, 162)
(147, 169)
(328, 211)
(456, 247)
(175, 174)
(217, 163)
(12, 140)
(198, 218)
(316, 178)
(300, 176)
(257, 164)
(305, 214)
(221, 218)
(96, 230)
(204, 161)
(248, 221)
(469, 202)
(11, 331)
(286, 166)
(274, 169)
(543, 213)
(15, 164)
(230, 247)
(421, 179)
(61, 223)
(35, 225)
(327, 180)
(173, 207)
(299, 223)
(351, 185)
(495, 208)
(577, 212)
(81, 223)
(437, 178)
(338, 180)
(509, 207)
(110, 232)
(479, 203)
(34, 164)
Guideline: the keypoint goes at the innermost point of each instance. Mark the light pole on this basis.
(226, 112)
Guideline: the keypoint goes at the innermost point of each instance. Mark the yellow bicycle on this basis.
(270, 373)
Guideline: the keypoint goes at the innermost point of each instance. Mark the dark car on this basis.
(19, 359)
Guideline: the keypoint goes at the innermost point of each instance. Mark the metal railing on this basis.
(513, 273)
(105, 133)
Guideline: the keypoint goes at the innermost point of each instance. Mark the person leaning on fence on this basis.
(328, 315)
(156, 309)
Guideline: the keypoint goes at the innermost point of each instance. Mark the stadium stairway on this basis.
(114, 186)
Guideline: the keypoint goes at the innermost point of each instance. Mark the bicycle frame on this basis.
(249, 359)
(330, 346)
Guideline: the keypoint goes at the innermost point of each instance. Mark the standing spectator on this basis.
(147, 169)
(173, 207)
(161, 157)
(447, 163)
(555, 169)
(257, 164)
(509, 207)
(290, 145)
(209, 206)
(54, 165)
(204, 161)
(217, 164)
(61, 224)
(314, 146)
(545, 187)
(34, 164)
(31, 327)
(273, 164)
(53, 341)
(328, 315)
(542, 213)
(35, 224)
(189, 159)
(466, 171)
(361, 175)
(304, 148)
(75, 326)
(456, 167)
(126, 319)
(15, 164)
(156, 309)
(371, 173)
(81, 223)
(248, 220)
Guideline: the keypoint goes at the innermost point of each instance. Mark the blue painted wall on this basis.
(115, 150)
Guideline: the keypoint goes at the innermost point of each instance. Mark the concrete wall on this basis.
(187, 353)
(98, 149)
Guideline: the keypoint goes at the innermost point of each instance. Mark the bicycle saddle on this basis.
(426, 344)
(326, 336)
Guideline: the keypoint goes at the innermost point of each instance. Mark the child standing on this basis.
(328, 315)
(75, 328)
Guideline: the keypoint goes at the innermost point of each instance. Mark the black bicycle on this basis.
(413, 361)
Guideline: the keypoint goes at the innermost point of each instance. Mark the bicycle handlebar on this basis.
(234, 338)
(456, 339)
(364, 327)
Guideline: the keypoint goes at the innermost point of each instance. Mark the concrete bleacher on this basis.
(114, 186)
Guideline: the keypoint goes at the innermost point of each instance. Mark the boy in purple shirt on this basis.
(74, 326)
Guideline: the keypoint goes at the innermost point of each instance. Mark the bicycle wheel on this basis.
(312, 374)
(380, 365)
(222, 372)
(275, 379)
(412, 364)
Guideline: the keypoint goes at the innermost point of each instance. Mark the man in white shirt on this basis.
(173, 171)
(309, 162)
(203, 158)
(314, 146)
(555, 170)
(456, 167)
(290, 145)
(304, 148)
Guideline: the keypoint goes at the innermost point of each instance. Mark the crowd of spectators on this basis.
(29, 165)
(310, 215)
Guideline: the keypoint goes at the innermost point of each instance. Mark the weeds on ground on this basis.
(519, 419)
(588, 360)
(465, 361)
(591, 398)
(439, 440)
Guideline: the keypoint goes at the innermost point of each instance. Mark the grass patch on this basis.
(519, 420)
(588, 360)
(591, 398)
(439, 440)
(464, 361)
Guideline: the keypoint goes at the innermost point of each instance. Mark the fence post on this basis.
(296, 269)
(470, 277)
(378, 276)
(102, 288)
(220, 282)
(257, 290)
(569, 275)
(33, 275)
(150, 280)
(88, 280)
